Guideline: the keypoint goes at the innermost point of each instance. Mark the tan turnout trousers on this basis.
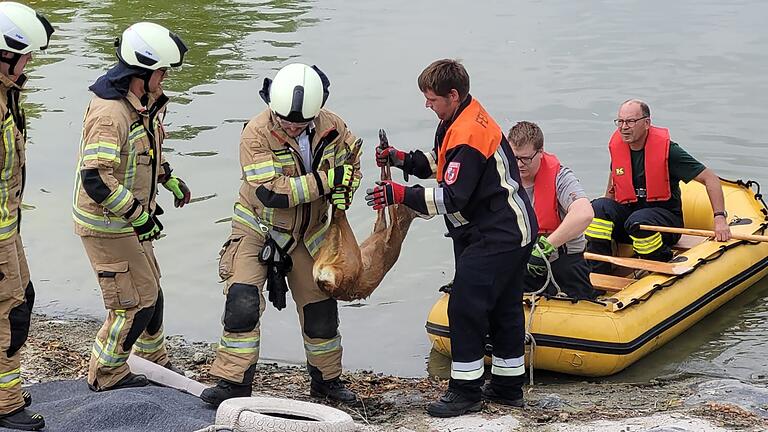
(240, 264)
(129, 277)
(13, 284)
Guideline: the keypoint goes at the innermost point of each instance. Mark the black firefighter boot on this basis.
(332, 389)
(22, 419)
(129, 381)
(227, 389)
(453, 404)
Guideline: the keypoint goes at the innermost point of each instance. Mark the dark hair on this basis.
(643, 106)
(444, 75)
(524, 133)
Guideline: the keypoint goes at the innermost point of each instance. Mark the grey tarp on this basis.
(69, 406)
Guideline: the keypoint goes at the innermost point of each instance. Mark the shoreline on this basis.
(59, 348)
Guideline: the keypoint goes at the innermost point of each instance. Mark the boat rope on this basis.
(529, 339)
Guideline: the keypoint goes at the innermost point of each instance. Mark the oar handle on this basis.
(702, 233)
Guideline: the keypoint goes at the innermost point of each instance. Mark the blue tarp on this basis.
(69, 406)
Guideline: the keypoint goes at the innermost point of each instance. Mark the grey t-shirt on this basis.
(568, 190)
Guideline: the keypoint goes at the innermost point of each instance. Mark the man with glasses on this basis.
(563, 213)
(295, 156)
(643, 188)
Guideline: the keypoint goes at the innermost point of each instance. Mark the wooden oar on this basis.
(640, 264)
(703, 233)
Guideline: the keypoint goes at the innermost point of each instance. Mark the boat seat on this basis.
(609, 283)
(688, 241)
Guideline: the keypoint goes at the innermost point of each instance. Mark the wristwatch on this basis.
(721, 213)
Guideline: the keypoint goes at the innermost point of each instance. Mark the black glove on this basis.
(147, 227)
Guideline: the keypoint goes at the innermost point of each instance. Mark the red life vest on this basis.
(656, 167)
(473, 127)
(545, 194)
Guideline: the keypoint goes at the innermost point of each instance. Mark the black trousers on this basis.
(486, 299)
(571, 272)
(626, 222)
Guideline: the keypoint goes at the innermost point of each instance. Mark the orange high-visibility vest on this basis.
(656, 150)
(545, 194)
(464, 130)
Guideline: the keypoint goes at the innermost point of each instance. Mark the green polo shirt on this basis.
(682, 166)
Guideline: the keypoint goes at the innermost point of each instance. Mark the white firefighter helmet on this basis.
(297, 92)
(150, 46)
(22, 29)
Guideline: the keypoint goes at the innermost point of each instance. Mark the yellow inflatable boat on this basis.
(642, 311)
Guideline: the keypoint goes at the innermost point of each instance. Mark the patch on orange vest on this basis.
(452, 172)
(619, 171)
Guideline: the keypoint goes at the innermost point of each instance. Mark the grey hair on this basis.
(643, 106)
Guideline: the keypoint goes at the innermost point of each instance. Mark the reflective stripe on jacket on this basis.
(278, 190)
(119, 142)
(656, 167)
(545, 194)
(12, 155)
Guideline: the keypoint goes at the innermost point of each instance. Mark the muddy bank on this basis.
(58, 349)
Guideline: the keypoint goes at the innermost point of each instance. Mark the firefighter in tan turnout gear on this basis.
(23, 31)
(296, 158)
(120, 167)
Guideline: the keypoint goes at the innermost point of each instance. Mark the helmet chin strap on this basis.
(11, 62)
(145, 77)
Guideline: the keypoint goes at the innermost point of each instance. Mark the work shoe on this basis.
(129, 381)
(453, 404)
(332, 389)
(224, 390)
(27, 397)
(22, 419)
(663, 254)
(492, 395)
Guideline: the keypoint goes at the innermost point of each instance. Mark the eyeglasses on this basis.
(526, 160)
(628, 122)
(288, 124)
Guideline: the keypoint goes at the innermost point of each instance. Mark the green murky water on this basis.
(566, 65)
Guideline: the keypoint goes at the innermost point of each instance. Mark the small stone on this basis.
(199, 358)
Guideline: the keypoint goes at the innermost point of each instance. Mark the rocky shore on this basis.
(59, 348)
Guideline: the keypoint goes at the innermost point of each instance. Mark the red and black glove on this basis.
(385, 194)
(391, 156)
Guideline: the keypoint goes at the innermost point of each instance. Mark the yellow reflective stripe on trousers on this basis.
(508, 367)
(107, 353)
(646, 245)
(321, 348)
(600, 229)
(239, 346)
(149, 345)
(118, 199)
(10, 379)
(101, 150)
(467, 370)
(259, 172)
